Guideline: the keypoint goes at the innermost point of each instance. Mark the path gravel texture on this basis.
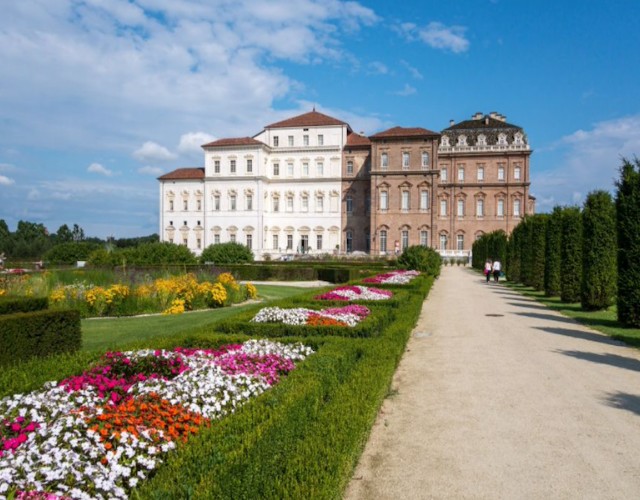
(499, 397)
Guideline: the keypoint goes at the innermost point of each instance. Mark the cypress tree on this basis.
(599, 249)
(628, 230)
(552, 256)
(526, 251)
(514, 256)
(538, 249)
(571, 255)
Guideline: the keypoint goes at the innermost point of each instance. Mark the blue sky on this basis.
(100, 97)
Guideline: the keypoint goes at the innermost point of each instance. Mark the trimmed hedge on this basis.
(553, 261)
(571, 255)
(38, 333)
(11, 305)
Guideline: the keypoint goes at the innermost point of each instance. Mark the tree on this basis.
(77, 233)
(226, 253)
(64, 234)
(31, 240)
(421, 258)
(599, 249)
(514, 255)
(553, 259)
(628, 232)
(571, 255)
(70, 252)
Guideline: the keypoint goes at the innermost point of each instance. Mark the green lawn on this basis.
(603, 321)
(109, 333)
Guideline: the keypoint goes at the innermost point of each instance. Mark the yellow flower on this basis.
(252, 291)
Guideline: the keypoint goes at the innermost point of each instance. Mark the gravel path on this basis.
(499, 397)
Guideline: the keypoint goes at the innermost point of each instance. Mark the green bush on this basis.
(628, 226)
(538, 236)
(514, 254)
(70, 253)
(571, 255)
(553, 260)
(226, 253)
(599, 265)
(421, 258)
(10, 305)
(158, 253)
(38, 334)
(334, 275)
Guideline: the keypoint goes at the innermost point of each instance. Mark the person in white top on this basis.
(496, 270)
(487, 270)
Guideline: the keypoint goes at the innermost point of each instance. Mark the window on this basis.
(232, 202)
(460, 174)
(480, 174)
(425, 160)
(320, 140)
(460, 208)
(349, 241)
(443, 207)
(184, 222)
(305, 169)
(289, 203)
(384, 200)
(500, 173)
(405, 161)
(185, 205)
(305, 203)
(232, 238)
(198, 204)
(198, 243)
(249, 241)
(500, 212)
(289, 241)
(516, 173)
(290, 139)
(216, 202)
(249, 165)
(304, 243)
(424, 200)
(216, 239)
(171, 223)
(319, 242)
(305, 140)
(424, 238)
(232, 166)
(184, 241)
(320, 169)
(405, 239)
(276, 169)
(349, 201)
(516, 208)
(443, 242)
(460, 242)
(199, 223)
(384, 161)
(290, 169)
(171, 205)
(349, 167)
(276, 141)
(405, 200)
(275, 244)
(249, 202)
(480, 208)
(443, 175)
(216, 166)
(276, 203)
(383, 240)
(319, 204)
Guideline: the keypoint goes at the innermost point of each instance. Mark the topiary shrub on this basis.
(70, 253)
(421, 258)
(628, 225)
(538, 241)
(571, 255)
(226, 253)
(552, 270)
(599, 248)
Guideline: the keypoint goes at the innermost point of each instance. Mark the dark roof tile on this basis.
(396, 132)
(183, 174)
(234, 141)
(310, 119)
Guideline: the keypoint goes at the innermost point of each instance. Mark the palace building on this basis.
(309, 184)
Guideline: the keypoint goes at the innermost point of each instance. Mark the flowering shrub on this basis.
(81, 442)
(356, 292)
(393, 277)
(344, 316)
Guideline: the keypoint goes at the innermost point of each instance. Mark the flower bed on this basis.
(335, 316)
(355, 292)
(100, 433)
(393, 278)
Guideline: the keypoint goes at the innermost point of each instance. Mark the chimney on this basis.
(477, 116)
(452, 123)
(493, 115)
(486, 120)
(503, 118)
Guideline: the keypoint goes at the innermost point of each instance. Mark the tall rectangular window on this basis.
(276, 204)
(460, 242)
(290, 169)
(290, 139)
(405, 160)
(384, 200)
(320, 140)
(480, 208)
(405, 239)
(198, 243)
(460, 208)
(305, 169)
(305, 140)
(320, 169)
(276, 169)
(500, 211)
(232, 238)
(216, 202)
(216, 166)
(289, 203)
(216, 239)
(516, 174)
(276, 141)
(319, 204)
(274, 243)
(249, 165)
(349, 167)
(460, 174)
(405, 200)
(232, 202)
(198, 204)
(185, 205)
(383, 240)
(232, 166)
(424, 238)
(480, 174)
(443, 175)
(443, 207)
(384, 161)
(171, 205)
(443, 242)
(289, 241)
(424, 199)
(249, 202)
(516, 208)
(319, 242)
(501, 173)
(425, 160)
(249, 241)
(349, 203)
(305, 203)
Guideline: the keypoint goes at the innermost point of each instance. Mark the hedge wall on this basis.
(10, 305)
(553, 267)
(571, 255)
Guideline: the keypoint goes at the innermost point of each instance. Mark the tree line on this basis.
(588, 254)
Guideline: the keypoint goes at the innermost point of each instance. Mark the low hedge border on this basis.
(11, 305)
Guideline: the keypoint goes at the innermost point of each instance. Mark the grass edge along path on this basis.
(604, 321)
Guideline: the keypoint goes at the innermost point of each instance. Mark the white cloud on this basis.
(7, 167)
(437, 35)
(413, 71)
(96, 168)
(148, 170)
(6, 181)
(33, 194)
(191, 142)
(407, 90)
(378, 68)
(590, 159)
(152, 151)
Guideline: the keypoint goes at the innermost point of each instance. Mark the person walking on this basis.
(487, 270)
(497, 268)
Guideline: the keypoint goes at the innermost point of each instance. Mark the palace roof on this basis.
(310, 119)
(184, 174)
(396, 132)
(234, 141)
(356, 140)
